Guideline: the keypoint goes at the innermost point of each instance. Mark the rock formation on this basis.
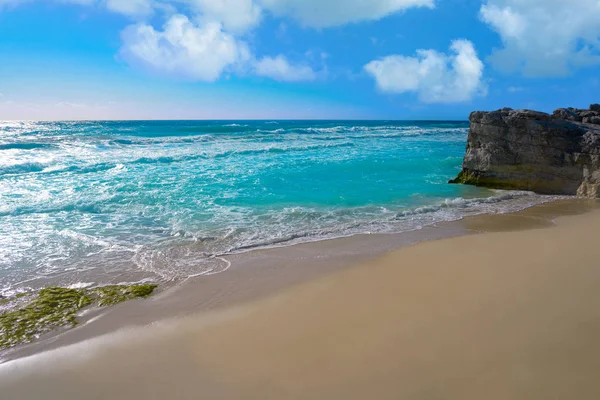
(530, 150)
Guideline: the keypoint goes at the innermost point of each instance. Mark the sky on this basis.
(294, 59)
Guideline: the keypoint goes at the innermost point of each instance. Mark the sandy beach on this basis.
(501, 315)
(299, 199)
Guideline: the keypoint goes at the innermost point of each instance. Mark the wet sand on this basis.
(264, 272)
(509, 314)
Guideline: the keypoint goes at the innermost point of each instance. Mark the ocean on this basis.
(92, 203)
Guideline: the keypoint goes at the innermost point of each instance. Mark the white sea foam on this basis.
(104, 202)
(80, 285)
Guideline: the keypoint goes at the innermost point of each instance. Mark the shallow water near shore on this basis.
(512, 312)
(90, 203)
(264, 272)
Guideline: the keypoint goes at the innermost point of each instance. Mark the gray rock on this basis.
(587, 113)
(592, 120)
(595, 107)
(570, 114)
(529, 150)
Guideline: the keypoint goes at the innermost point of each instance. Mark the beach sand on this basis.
(501, 315)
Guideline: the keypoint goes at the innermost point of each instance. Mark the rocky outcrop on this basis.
(578, 114)
(530, 150)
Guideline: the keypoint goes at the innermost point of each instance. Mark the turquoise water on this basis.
(104, 202)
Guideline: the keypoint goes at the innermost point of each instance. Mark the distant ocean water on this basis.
(85, 203)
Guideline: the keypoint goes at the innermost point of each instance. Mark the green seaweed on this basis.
(111, 295)
(51, 308)
(467, 177)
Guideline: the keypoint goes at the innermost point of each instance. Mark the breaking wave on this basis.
(108, 202)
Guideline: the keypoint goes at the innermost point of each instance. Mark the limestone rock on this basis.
(568, 114)
(585, 114)
(530, 150)
(592, 120)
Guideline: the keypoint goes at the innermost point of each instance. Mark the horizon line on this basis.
(229, 120)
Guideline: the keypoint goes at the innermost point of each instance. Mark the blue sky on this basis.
(264, 59)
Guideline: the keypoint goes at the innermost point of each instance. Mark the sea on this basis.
(92, 203)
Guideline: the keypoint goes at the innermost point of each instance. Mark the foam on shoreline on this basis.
(508, 314)
(258, 273)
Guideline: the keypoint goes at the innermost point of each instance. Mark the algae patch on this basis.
(28, 316)
(50, 308)
(110, 295)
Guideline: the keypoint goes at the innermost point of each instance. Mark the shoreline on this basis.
(409, 220)
(511, 313)
(264, 272)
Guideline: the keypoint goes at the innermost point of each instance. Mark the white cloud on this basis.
(436, 77)
(544, 37)
(183, 49)
(240, 15)
(133, 8)
(205, 42)
(280, 69)
(328, 13)
(236, 15)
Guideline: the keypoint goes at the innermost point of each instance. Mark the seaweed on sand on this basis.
(51, 308)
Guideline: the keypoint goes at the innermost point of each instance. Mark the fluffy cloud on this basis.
(183, 49)
(240, 15)
(236, 15)
(544, 37)
(280, 69)
(205, 42)
(133, 8)
(327, 13)
(436, 77)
